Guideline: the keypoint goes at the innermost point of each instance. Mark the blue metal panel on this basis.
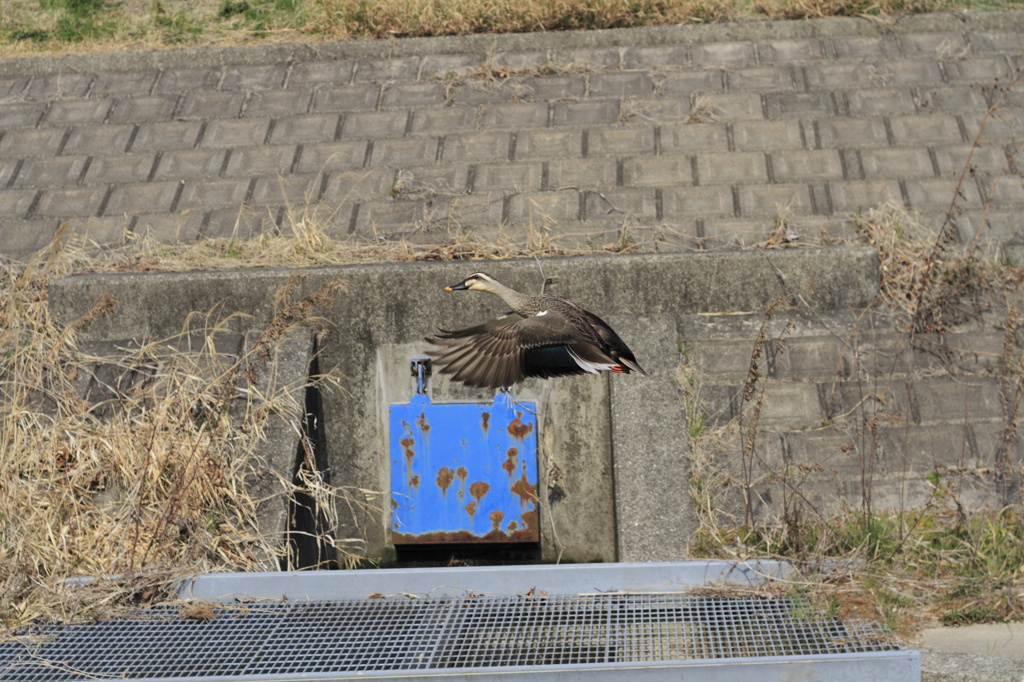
(463, 472)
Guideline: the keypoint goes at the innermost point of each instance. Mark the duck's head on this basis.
(478, 281)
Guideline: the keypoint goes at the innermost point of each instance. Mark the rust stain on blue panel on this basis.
(455, 479)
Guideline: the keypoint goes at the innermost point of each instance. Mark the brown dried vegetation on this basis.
(26, 25)
(147, 484)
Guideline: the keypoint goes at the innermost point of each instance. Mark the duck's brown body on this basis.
(543, 336)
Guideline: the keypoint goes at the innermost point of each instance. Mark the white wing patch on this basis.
(541, 313)
(592, 367)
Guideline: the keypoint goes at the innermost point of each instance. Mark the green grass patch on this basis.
(909, 567)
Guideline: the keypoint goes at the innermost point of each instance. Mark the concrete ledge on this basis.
(444, 583)
(156, 304)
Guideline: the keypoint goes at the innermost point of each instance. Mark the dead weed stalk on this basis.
(752, 402)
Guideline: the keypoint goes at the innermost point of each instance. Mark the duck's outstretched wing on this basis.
(503, 352)
(489, 326)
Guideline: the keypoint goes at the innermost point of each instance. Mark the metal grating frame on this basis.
(399, 635)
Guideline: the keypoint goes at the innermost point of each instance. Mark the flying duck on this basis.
(544, 336)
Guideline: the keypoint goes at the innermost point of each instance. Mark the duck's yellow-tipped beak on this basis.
(448, 289)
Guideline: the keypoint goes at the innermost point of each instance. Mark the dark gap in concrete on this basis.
(308, 525)
(468, 554)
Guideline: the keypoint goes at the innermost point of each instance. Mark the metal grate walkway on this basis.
(399, 634)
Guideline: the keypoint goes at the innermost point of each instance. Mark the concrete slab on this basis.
(943, 666)
(990, 652)
(989, 640)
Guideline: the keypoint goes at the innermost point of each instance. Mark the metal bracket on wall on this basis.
(420, 366)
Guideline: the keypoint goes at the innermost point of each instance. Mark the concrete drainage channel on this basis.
(569, 622)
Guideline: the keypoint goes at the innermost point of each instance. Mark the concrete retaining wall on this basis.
(614, 447)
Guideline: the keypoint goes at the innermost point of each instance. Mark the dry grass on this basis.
(145, 480)
(306, 244)
(909, 568)
(90, 25)
(931, 289)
